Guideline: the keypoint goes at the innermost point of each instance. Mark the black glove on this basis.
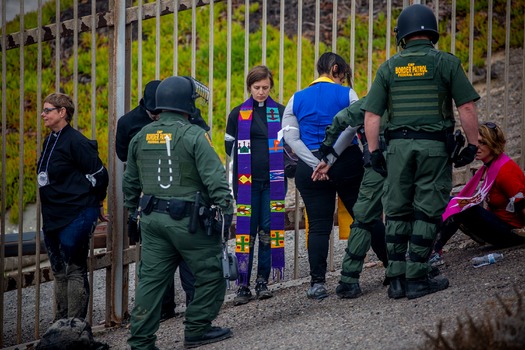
(133, 229)
(378, 162)
(325, 150)
(466, 156)
(366, 156)
(217, 224)
(228, 218)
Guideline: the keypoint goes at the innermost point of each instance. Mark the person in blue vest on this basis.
(308, 113)
(417, 87)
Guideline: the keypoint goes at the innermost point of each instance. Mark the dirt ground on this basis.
(373, 321)
(291, 321)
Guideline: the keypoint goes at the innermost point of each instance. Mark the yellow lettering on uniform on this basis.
(411, 70)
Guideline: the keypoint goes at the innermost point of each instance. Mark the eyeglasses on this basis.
(490, 125)
(49, 110)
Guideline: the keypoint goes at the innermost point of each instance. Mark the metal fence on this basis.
(103, 52)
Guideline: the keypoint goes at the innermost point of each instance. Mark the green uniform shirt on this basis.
(192, 164)
(352, 116)
(447, 73)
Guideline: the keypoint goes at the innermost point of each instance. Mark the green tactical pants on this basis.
(367, 210)
(416, 193)
(164, 243)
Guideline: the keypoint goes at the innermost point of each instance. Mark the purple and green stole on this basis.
(244, 194)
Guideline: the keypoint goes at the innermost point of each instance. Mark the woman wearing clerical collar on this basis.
(491, 208)
(258, 183)
(72, 183)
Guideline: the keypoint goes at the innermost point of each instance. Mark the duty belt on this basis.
(163, 206)
(416, 135)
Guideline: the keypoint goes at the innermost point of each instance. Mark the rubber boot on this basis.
(60, 295)
(77, 291)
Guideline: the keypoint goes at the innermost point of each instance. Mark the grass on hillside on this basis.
(83, 95)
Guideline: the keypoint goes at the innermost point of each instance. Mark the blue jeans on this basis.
(67, 250)
(260, 224)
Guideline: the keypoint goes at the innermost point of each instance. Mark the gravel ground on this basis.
(291, 321)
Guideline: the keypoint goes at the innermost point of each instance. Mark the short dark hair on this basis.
(256, 74)
(61, 100)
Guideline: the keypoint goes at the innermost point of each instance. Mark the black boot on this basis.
(215, 334)
(396, 290)
(348, 290)
(417, 288)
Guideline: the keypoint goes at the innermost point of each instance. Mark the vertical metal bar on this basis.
(246, 42)
(436, 13)
(3, 173)
(299, 66)
(117, 167)
(157, 40)
(193, 36)
(507, 60)
(57, 46)
(316, 40)
(281, 51)
(370, 42)
(228, 55)
(75, 63)
(453, 28)
(20, 175)
(352, 36)
(176, 36)
(388, 27)
(210, 66)
(264, 30)
(111, 210)
(489, 60)
(38, 150)
(334, 27)
(139, 50)
(228, 65)
(93, 117)
(471, 41)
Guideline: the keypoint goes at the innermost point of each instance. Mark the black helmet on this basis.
(414, 19)
(178, 94)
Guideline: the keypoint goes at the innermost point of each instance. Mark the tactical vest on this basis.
(417, 95)
(167, 174)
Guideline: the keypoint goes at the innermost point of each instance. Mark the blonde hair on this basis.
(493, 137)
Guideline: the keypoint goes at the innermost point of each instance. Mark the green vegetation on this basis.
(31, 116)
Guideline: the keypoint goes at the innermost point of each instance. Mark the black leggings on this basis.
(481, 225)
(319, 200)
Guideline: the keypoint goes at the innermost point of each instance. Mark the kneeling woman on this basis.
(493, 212)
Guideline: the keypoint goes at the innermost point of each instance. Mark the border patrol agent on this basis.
(368, 228)
(171, 163)
(417, 86)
